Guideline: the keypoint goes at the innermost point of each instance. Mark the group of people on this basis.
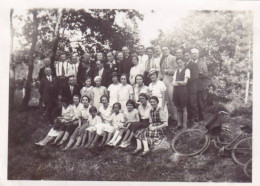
(119, 97)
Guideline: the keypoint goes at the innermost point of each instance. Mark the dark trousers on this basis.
(201, 104)
(192, 108)
(62, 80)
(48, 108)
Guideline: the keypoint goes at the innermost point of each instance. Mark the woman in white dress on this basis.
(125, 92)
(113, 89)
(136, 69)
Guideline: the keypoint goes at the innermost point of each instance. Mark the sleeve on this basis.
(163, 115)
(130, 90)
(99, 120)
(187, 73)
(41, 87)
(163, 87)
(174, 77)
(150, 118)
(109, 88)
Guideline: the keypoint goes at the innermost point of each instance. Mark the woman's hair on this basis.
(155, 98)
(149, 48)
(144, 95)
(139, 75)
(92, 109)
(131, 102)
(156, 73)
(119, 105)
(124, 75)
(75, 95)
(134, 55)
(87, 78)
(85, 96)
(104, 96)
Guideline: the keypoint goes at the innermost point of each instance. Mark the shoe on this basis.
(92, 146)
(144, 153)
(65, 149)
(125, 145)
(75, 147)
(122, 144)
(136, 151)
(39, 144)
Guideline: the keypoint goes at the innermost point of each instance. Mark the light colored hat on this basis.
(96, 78)
(152, 70)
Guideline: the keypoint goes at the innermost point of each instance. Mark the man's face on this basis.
(99, 65)
(141, 50)
(125, 51)
(180, 63)
(157, 50)
(71, 81)
(47, 71)
(47, 62)
(110, 57)
(150, 53)
(99, 56)
(179, 53)
(74, 59)
(187, 56)
(120, 56)
(63, 57)
(87, 56)
(195, 55)
(166, 51)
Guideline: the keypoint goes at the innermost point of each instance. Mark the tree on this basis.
(26, 98)
(12, 71)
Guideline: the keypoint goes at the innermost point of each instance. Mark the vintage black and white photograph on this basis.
(130, 95)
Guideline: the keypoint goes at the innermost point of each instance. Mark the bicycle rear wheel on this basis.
(248, 168)
(242, 151)
(190, 142)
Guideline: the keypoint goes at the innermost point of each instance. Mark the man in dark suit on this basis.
(103, 73)
(70, 89)
(192, 107)
(111, 64)
(49, 91)
(203, 76)
(84, 71)
(126, 64)
(47, 63)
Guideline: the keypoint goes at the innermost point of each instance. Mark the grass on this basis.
(28, 162)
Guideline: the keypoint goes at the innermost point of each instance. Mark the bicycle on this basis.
(195, 141)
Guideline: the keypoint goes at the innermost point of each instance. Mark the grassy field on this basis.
(28, 162)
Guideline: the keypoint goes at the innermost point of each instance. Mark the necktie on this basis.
(71, 90)
(62, 70)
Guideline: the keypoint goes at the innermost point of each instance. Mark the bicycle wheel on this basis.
(225, 137)
(248, 168)
(242, 151)
(190, 142)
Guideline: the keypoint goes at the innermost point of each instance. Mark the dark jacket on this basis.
(125, 66)
(48, 90)
(106, 77)
(82, 74)
(113, 68)
(42, 74)
(66, 93)
(194, 75)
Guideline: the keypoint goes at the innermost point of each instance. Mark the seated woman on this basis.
(93, 120)
(60, 122)
(83, 115)
(154, 133)
(104, 128)
(98, 91)
(70, 128)
(144, 112)
(131, 115)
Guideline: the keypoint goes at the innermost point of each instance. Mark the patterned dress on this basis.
(157, 118)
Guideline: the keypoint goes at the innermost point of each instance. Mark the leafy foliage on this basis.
(224, 39)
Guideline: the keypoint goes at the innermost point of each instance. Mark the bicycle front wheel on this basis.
(190, 142)
(248, 168)
(242, 151)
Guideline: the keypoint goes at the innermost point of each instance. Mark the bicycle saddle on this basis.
(214, 126)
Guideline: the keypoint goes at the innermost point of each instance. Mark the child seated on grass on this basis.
(60, 123)
(83, 116)
(93, 120)
(117, 121)
(131, 115)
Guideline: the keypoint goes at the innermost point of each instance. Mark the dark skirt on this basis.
(134, 126)
(65, 126)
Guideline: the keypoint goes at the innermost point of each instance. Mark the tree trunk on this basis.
(11, 70)
(27, 96)
(56, 36)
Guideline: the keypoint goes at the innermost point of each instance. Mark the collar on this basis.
(113, 62)
(156, 109)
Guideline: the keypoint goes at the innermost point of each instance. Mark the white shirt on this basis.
(124, 93)
(187, 74)
(142, 59)
(73, 69)
(152, 63)
(117, 120)
(157, 89)
(113, 92)
(58, 68)
(67, 113)
(76, 110)
(84, 112)
(111, 63)
(138, 90)
(71, 89)
(93, 121)
(105, 113)
(49, 78)
(144, 111)
(134, 71)
(100, 72)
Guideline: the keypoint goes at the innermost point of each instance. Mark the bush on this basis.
(216, 107)
(244, 111)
